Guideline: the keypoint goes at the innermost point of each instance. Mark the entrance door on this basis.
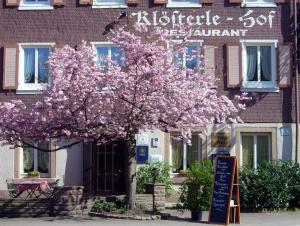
(110, 169)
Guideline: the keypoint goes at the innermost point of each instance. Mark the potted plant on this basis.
(34, 174)
(196, 189)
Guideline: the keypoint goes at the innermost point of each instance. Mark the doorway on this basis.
(110, 170)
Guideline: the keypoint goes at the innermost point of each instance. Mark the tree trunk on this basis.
(131, 174)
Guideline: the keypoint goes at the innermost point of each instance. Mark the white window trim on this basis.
(95, 45)
(29, 88)
(172, 4)
(35, 6)
(255, 147)
(258, 4)
(108, 5)
(261, 86)
(35, 161)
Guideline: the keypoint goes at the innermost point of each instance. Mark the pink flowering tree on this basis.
(89, 102)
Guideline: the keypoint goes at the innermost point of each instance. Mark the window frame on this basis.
(174, 4)
(35, 163)
(185, 148)
(260, 86)
(109, 45)
(198, 43)
(255, 135)
(30, 88)
(111, 5)
(47, 5)
(256, 4)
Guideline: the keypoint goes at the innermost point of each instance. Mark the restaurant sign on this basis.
(205, 24)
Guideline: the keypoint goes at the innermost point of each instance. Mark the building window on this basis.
(183, 3)
(35, 5)
(184, 155)
(256, 148)
(191, 59)
(114, 53)
(109, 4)
(258, 3)
(34, 160)
(33, 67)
(259, 66)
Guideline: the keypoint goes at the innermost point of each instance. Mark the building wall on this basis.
(72, 23)
(282, 140)
(69, 166)
(6, 166)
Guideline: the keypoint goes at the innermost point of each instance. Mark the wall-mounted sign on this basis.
(155, 142)
(142, 139)
(206, 23)
(142, 153)
(220, 140)
(155, 158)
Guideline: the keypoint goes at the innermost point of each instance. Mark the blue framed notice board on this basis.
(142, 153)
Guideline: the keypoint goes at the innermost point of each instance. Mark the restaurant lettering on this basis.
(206, 24)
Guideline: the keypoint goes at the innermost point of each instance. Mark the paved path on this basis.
(247, 219)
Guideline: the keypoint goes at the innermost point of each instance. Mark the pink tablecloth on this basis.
(32, 185)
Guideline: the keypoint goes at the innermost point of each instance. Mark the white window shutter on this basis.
(233, 66)
(209, 60)
(85, 2)
(58, 2)
(284, 66)
(12, 2)
(10, 67)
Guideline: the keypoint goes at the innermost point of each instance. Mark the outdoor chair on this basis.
(12, 190)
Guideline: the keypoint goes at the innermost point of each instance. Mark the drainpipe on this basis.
(296, 79)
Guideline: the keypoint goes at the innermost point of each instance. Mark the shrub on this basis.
(272, 186)
(103, 206)
(145, 176)
(197, 188)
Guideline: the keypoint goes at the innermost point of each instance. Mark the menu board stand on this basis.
(225, 201)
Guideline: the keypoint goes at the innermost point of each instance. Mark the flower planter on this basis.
(196, 215)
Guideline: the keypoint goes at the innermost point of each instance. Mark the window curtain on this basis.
(193, 151)
(177, 155)
(28, 160)
(251, 63)
(192, 57)
(43, 159)
(43, 54)
(262, 148)
(265, 59)
(29, 56)
(248, 151)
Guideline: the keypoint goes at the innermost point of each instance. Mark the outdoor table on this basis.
(33, 188)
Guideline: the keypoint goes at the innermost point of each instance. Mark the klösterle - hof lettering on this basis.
(211, 22)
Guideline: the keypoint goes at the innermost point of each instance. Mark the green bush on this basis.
(145, 176)
(197, 188)
(272, 186)
(103, 206)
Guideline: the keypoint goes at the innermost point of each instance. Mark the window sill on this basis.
(183, 5)
(103, 6)
(260, 90)
(48, 179)
(32, 7)
(258, 5)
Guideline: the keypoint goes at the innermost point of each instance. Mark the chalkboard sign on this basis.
(222, 190)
